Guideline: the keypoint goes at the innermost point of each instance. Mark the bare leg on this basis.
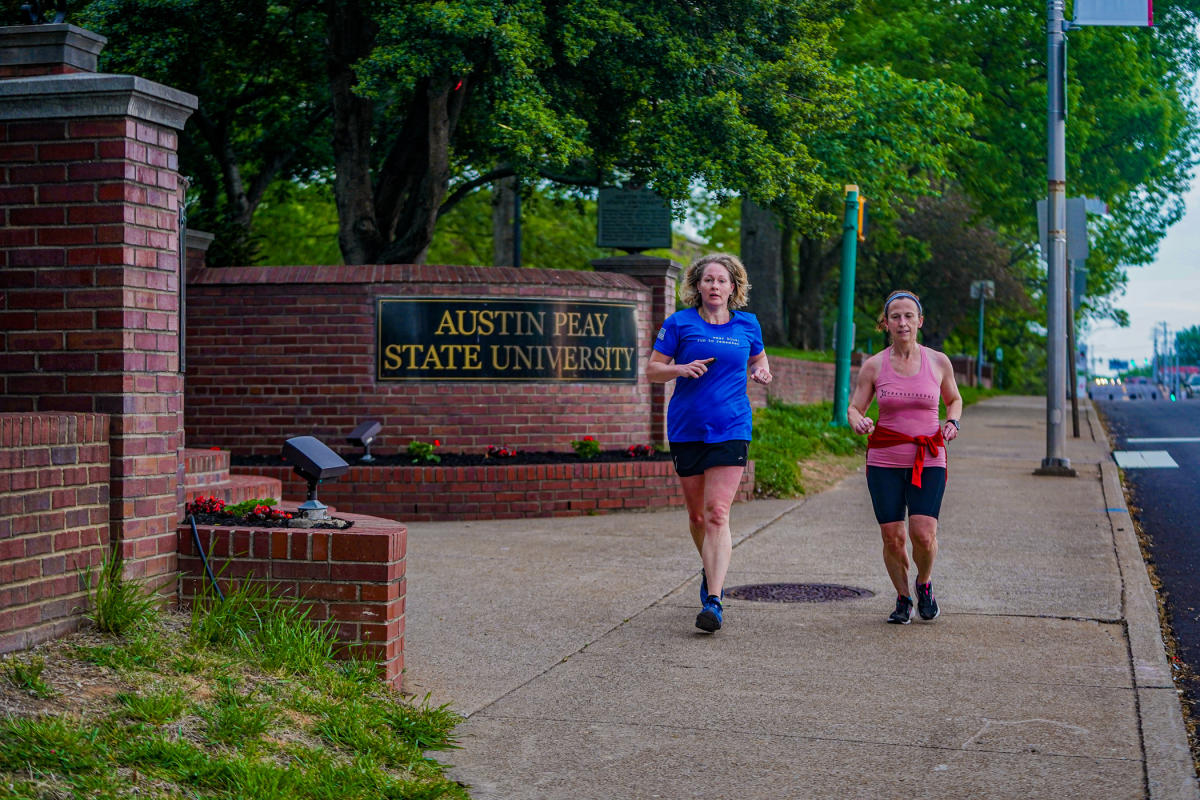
(923, 530)
(720, 487)
(693, 498)
(895, 555)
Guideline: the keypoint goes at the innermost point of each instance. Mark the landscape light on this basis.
(362, 436)
(313, 461)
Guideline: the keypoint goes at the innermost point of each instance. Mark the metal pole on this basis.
(845, 320)
(1055, 462)
(979, 361)
(1071, 358)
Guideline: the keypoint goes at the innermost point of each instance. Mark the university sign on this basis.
(488, 339)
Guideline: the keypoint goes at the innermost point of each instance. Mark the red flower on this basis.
(437, 443)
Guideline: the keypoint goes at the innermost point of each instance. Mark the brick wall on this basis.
(798, 382)
(500, 492)
(276, 352)
(354, 578)
(54, 473)
(89, 265)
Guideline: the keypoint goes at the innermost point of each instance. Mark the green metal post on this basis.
(845, 320)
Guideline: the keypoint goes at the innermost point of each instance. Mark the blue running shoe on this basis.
(704, 587)
(709, 619)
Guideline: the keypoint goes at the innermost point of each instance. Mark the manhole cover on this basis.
(796, 592)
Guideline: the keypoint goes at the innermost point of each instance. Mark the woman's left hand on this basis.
(949, 431)
(761, 375)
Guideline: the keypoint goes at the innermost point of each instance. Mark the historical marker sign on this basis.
(632, 219)
(488, 339)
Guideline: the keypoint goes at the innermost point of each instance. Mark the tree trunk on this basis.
(814, 262)
(504, 200)
(761, 253)
(351, 37)
(414, 177)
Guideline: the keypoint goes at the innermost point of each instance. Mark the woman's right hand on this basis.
(865, 425)
(695, 369)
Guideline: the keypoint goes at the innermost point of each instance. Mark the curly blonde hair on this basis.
(905, 293)
(690, 292)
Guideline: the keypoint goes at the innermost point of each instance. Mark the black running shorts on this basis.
(693, 458)
(892, 491)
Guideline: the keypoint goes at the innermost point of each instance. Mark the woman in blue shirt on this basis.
(709, 348)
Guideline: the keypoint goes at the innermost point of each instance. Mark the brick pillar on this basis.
(661, 275)
(89, 265)
(195, 245)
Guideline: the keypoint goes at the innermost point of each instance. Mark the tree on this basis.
(902, 135)
(1131, 126)
(264, 112)
(946, 250)
(415, 105)
(1187, 344)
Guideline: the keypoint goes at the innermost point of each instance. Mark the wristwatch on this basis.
(954, 422)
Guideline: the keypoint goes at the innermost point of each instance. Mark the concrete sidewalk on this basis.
(569, 645)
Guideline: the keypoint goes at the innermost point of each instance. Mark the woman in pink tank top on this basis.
(906, 451)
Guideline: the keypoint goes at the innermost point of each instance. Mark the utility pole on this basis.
(983, 290)
(1056, 461)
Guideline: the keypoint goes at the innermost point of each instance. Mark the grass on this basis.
(118, 604)
(822, 356)
(238, 699)
(26, 673)
(785, 435)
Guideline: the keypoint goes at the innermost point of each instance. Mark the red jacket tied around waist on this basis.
(886, 437)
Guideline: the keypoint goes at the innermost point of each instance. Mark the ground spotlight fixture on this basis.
(313, 461)
(362, 436)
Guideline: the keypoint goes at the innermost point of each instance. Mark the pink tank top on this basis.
(907, 405)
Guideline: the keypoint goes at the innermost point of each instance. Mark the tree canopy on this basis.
(411, 106)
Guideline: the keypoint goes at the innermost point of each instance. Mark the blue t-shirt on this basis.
(714, 407)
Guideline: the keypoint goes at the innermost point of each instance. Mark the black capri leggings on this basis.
(892, 491)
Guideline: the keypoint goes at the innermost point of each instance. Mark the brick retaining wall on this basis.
(354, 578)
(54, 473)
(500, 492)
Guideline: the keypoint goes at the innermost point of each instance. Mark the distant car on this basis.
(1192, 386)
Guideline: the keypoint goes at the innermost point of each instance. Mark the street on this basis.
(1157, 444)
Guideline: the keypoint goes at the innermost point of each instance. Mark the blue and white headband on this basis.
(898, 295)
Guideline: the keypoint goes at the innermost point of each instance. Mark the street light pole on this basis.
(979, 361)
(844, 332)
(1056, 462)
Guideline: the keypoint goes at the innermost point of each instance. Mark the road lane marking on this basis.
(1143, 459)
(1165, 440)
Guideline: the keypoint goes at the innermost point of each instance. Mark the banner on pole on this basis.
(1114, 12)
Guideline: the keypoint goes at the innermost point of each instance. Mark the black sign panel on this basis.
(488, 339)
(632, 219)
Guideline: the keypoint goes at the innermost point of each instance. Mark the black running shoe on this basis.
(709, 619)
(901, 616)
(927, 605)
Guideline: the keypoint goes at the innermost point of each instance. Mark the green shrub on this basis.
(786, 434)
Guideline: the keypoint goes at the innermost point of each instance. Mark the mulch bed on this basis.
(230, 521)
(461, 459)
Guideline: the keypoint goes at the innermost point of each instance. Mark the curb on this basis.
(1170, 770)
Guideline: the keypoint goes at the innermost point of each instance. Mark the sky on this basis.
(1167, 290)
